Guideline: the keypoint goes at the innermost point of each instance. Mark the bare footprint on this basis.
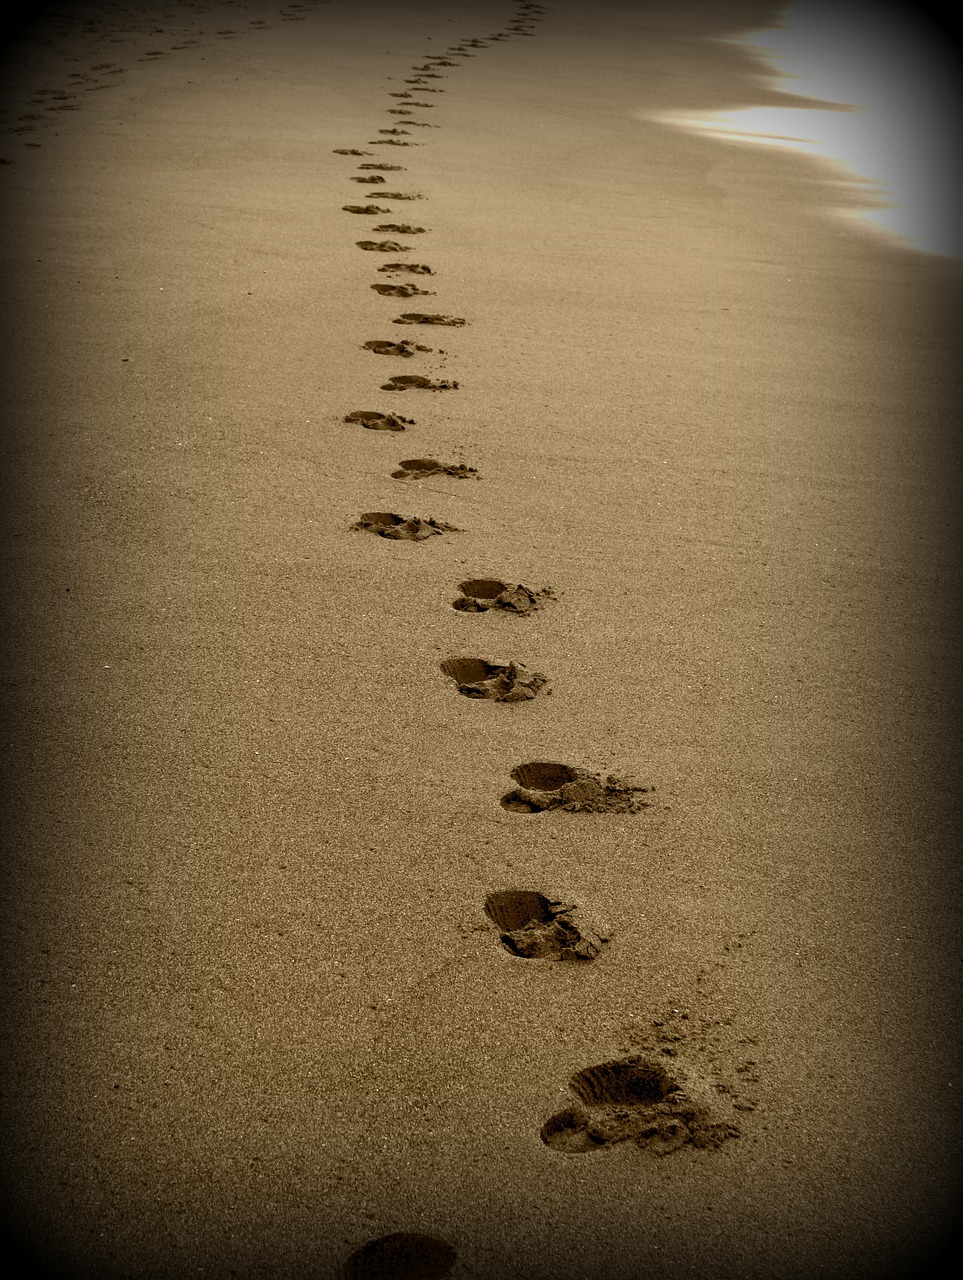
(544, 785)
(401, 290)
(419, 317)
(374, 420)
(386, 168)
(387, 524)
(422, 468)
(382, 246)
(401, 1256)
(375, 177)
(478, 678)
(480, 594)
(394, 133)
(364, 208)
(401, 228)
(535, 927)
(660, 1107)
(413, 268)
(382, 348)
(400, 195)
(350, 151)
(408, 382)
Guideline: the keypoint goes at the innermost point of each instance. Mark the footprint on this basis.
(375, 177)
(398, 111)
(365, 208)
(638, 1099)
(419, 317)
(534, 927)
(413, 268)
(382, 246)
(401, 290)
(400, 195)
(387, 168)
(399, 95)
(481, 594)
(405, 382)
(395, 133)
(373, 420)
(401, 1256)
(390, 142)
(477, 678)
(382, 348)
(400, 227)
(387, 524)
(544, 785)
(421, 468)
(350, 151)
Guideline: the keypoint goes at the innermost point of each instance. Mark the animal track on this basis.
(382, 348)
(477, 678)
(421, 468)
(382, 246)
(401, 290)
(637, 1099)
(419, 317)
(405, 382)
(534, 927)
(387, 524)
(544, 785)
(366, 208)
(413, 268)
(400, 227)
(375, 421)
(401, 1256)
(481, 594)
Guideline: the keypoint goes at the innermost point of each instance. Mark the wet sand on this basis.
(259, 1015)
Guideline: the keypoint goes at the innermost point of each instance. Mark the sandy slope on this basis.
(259, 1014)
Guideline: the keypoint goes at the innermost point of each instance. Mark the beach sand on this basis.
(258, 1014)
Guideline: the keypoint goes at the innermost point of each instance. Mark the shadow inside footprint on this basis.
(420, 317)
(413, 268)
(401, 1256)
(374, 177)
(382, 246)
(401, 228)
(387, 524)
(407, 382)
(364, 208)
(375, 421)
(422, 468)
(534, 927)
(382, 348)
(400, 290)
(481, 594)
(635, 1099)
(477, 678)
(543, 785)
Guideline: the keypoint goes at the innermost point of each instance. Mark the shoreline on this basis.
(261, 1016)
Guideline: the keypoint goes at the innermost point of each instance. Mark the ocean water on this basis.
(890, 78)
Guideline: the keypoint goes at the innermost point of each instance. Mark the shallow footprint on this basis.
(534, 927)
(374, 420)
(385, 168)
(388, 524)
(403, 1255)
(350, 151)
(477, 678)
(406, 382)
(480, 594)
(637, 1099)
(421, 468)
(544, 785)
(419, 317)
(383, 348)
(400, 195)
(401, 290)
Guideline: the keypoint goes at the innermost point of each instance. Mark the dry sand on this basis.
(258, 1014)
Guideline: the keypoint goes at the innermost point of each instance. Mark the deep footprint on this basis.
(419, 317)
(534, 927)
(481, 594)
(366, 208)
(382, 348)
(375, 421)
(387, 524)
(374, 177)
(409, 382)
(401, 1256)
(402, 228)
(350, 151)
(413, 268)
(422, 468)
(477, 678)
(544, 785)
(401, 290)
(382, 246)
(637, 1099)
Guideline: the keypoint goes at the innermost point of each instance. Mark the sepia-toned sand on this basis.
(258, 1016)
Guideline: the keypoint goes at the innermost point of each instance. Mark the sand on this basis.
(258, 1014)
